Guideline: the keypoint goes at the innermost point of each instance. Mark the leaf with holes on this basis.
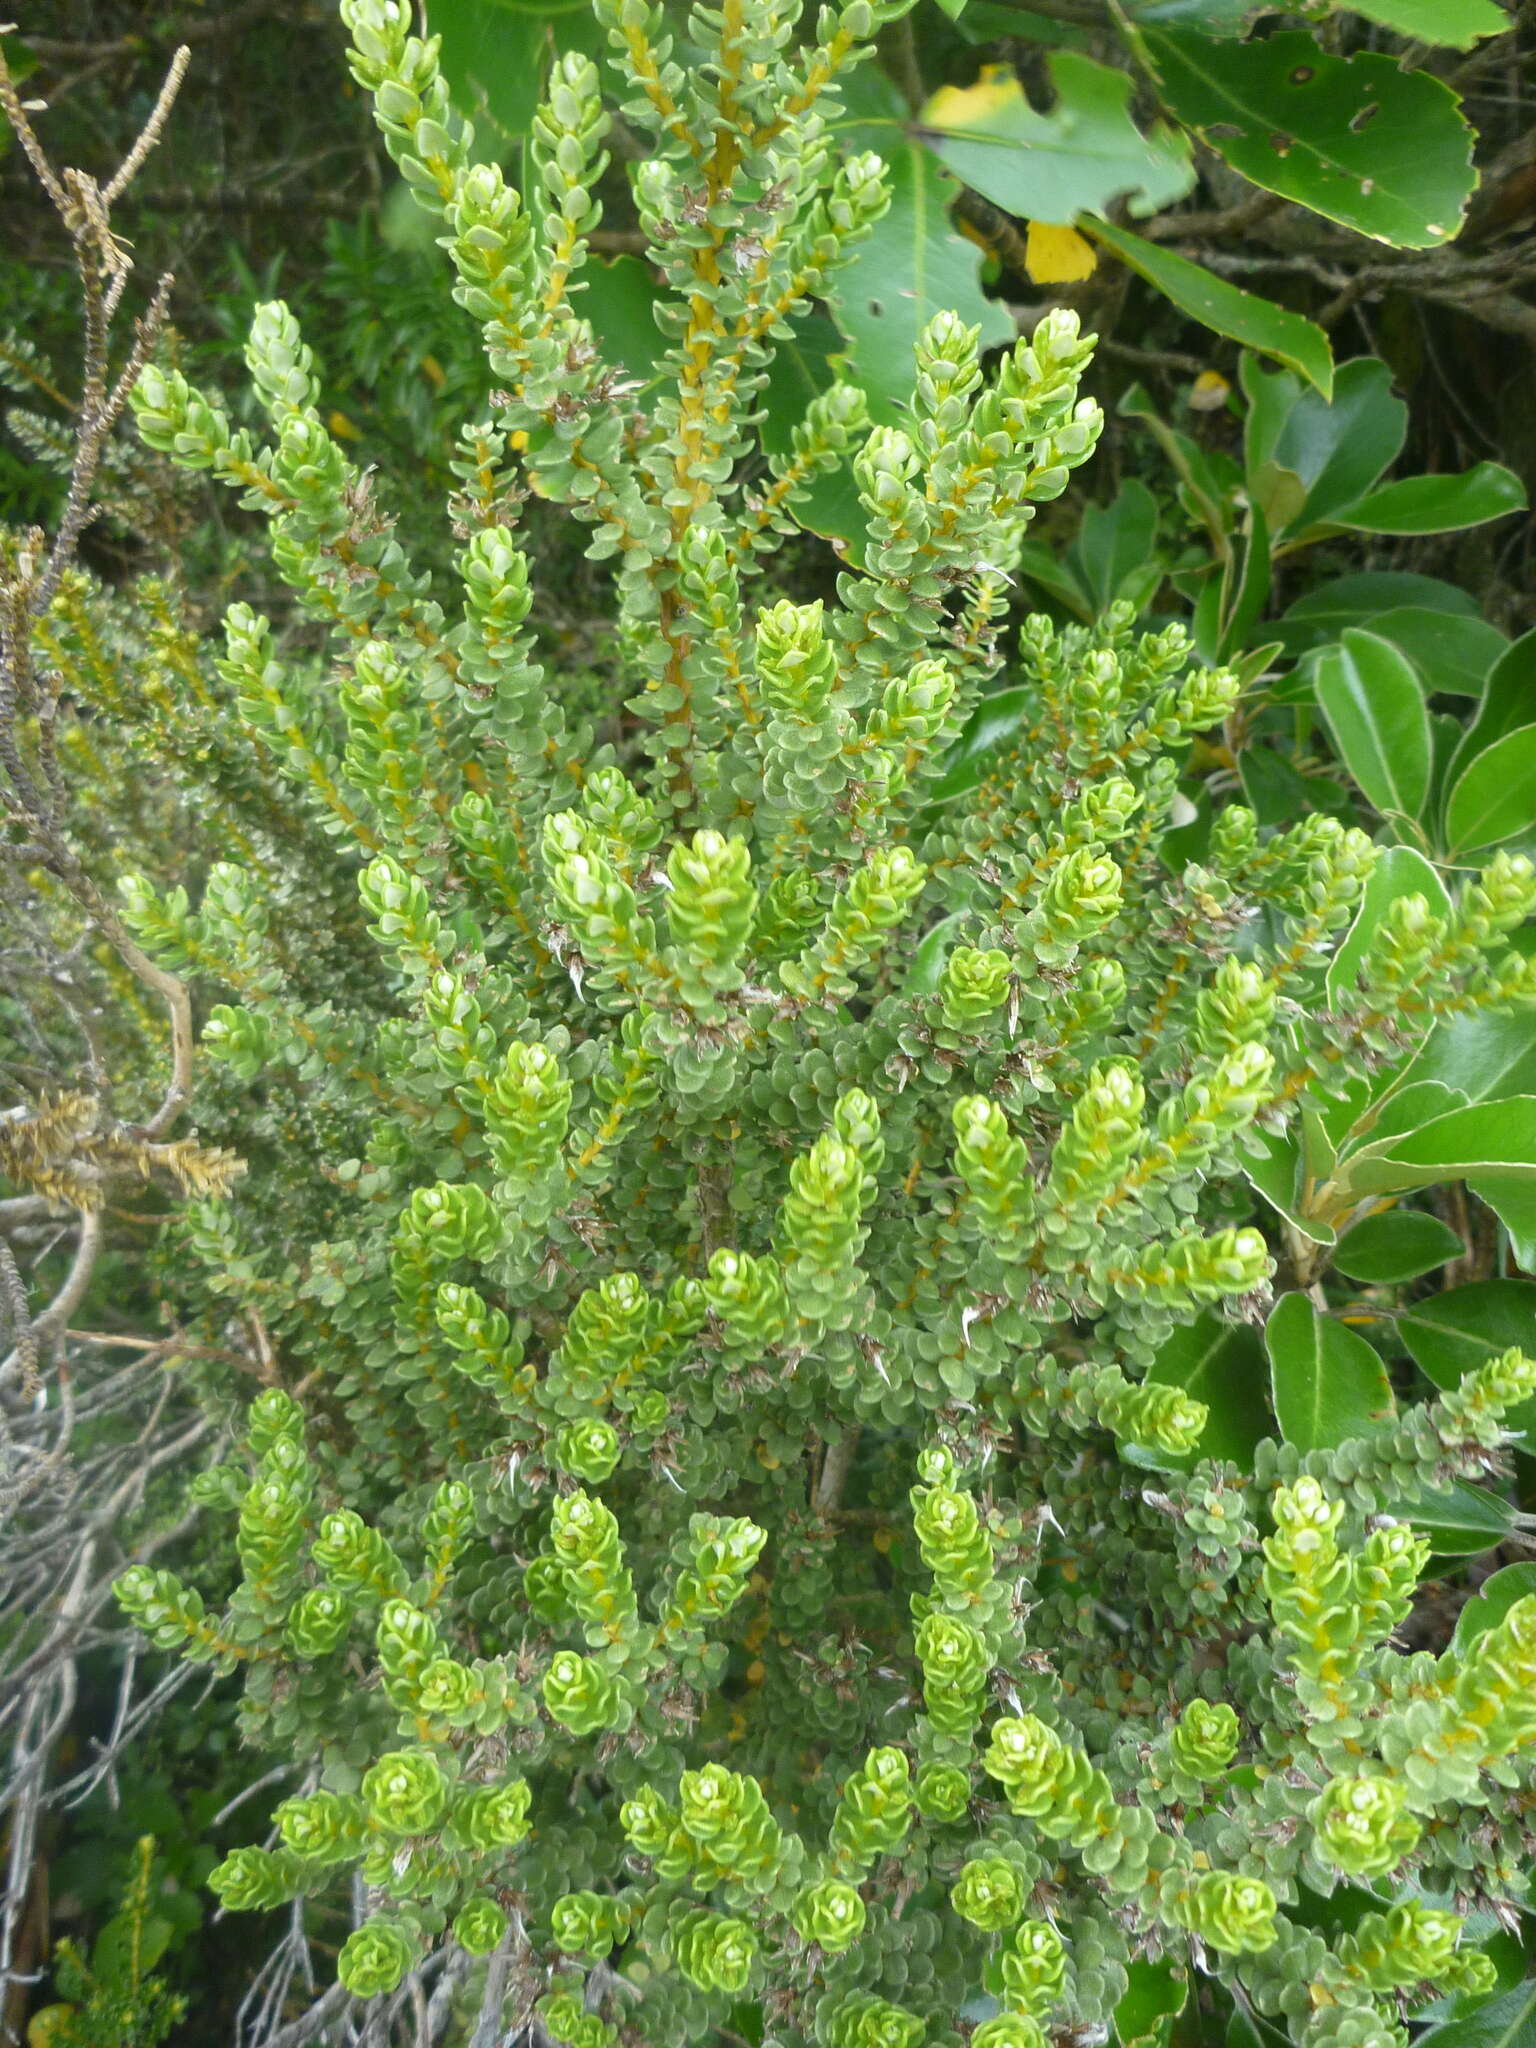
(1080, 157)
(1378, 149)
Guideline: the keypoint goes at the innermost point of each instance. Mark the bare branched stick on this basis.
(32, 573)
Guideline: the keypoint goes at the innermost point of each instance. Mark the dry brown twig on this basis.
(64, 1511)
(31, 573)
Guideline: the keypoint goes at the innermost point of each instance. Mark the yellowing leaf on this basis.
(1081, 156)
(973, 106)
(1057, 255)
(1209, 392)
(343, 428)
(52, 2024)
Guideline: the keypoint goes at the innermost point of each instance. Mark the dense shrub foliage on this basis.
(769, 1141)
(766, 1520)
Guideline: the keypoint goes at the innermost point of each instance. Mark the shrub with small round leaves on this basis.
(989, 1893)
(405, 1792)
(1204, 1739)
(580, 1694)
(479, 1925)
(942, 1793)
(255, 1880)
(974, 985)
(1363, 1825)
(1034, 1967)
(317, 1623)
(831, 1914)
(375, 1957)
(588, 1923)
(1009, 2030)
(779, 1048)
(322, 1827)
(714, 1952)
(866, 2021)
(587, 1450)
(1233, 1914)
(491, 1817)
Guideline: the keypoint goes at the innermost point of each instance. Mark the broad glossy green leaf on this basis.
(1459, 1521)
(993, 724)
(831, 508)
(801, 369)
(1322, 614)
(1393, 1111)
(1492, 1601)
(1494, 796)
(1494, 1140)
(911, 265)
(1081, 157)
(1223, 1365)
(1326, 1382)
(496, 54)
(1400, 1245)
(1040, 563)
(1375, 710)
(1335, 448)
(1242, 316)
(1437, 504)
(620, 300)
(1451, 1334)
(1507, 700)
(1115, 542)
(1229, 607)
(1514, 1203)
(1461, 23)
(1378, 149)
(989, 21)
(1211, 17)
(1273, 1166)
(1451, 653)
(927, 969)
(1274, 787)
(1154, 1994)
(1484, 1055)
